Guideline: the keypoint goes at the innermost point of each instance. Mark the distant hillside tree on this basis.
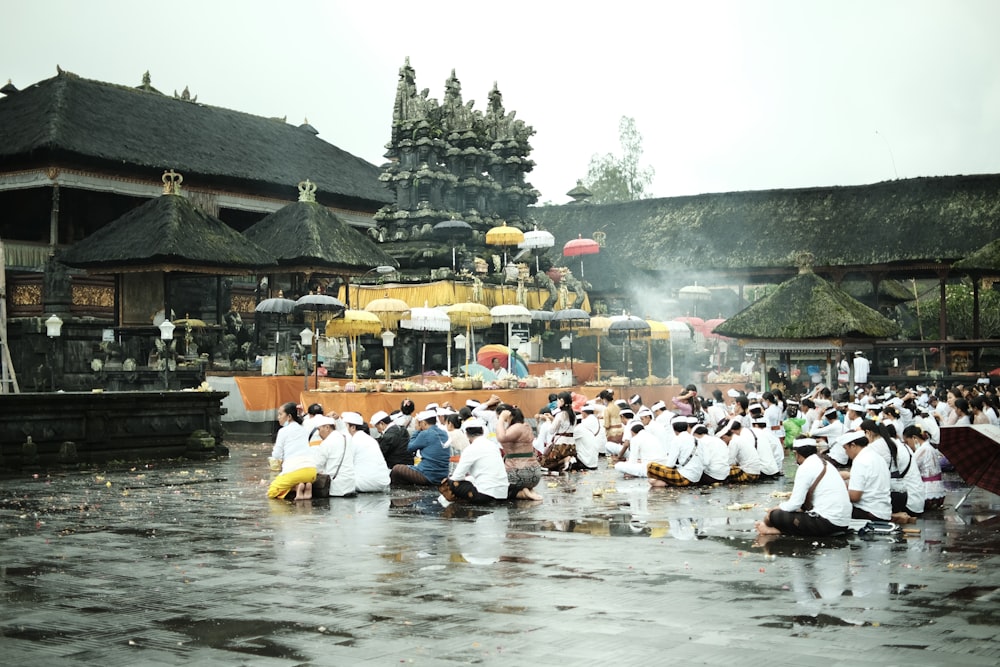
(612, 178)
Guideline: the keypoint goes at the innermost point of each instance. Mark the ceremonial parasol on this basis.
(316, 304)
(631, 327)
(511, 359)
(678, 331)
(508, 314)
(571, 319)
(278, 306)
(354, 323)
(598, 327)
(389, 311)
(469, 316)
(504, 236)
(453, 229)
(975, 453)
(537, 239)
(709, 325)
(579, 247)
(695, 293)
(426, 319)
(192, 322)
(657, 331)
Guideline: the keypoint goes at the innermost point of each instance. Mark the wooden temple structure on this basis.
(77, 154)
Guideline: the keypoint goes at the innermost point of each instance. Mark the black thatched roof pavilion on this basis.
(167, 234)
(806, 314)
(306, 237)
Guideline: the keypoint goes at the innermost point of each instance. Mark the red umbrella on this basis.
(711, 324)
(579, 247)
(975, 453)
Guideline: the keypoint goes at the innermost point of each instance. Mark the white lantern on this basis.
(566, 342)
(388, 339)
(167, 330)
(306, 336)
(460, 341)
(53, 327)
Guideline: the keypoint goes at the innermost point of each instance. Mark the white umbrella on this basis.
(508, 314)
(537, 239)
(426, 319)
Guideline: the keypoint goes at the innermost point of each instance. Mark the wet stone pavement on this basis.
(189, 563)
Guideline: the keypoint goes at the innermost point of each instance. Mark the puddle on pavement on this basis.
(244, 636)
(614, 525)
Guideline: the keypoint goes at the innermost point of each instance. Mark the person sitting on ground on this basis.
(761, 435)
(714, 455)
(928, 463)
(682, 465)
(560, 451)
(291, 456)
(819, 505)
(457, 440)
(392, 440)
(744, 463)
(645, 448)
(867, 481)
(480, 477)
(517, 442)
(432, 444)
(586, 434)
(906, 489)
(334, 460)
(313, 411)
(371, 475)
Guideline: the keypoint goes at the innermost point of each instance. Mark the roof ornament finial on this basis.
(172, 182)
(307, 191)
(804, 260)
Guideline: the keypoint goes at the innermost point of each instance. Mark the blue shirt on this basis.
(432, 443)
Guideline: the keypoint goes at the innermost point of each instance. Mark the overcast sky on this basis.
(734, 95)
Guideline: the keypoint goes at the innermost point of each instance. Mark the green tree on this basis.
(611, 178)
(959, 300)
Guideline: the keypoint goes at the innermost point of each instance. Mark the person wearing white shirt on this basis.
(480, 478)
(867, 481)
(586, 432)
(769, 466)
(371, 473)
(292, 458)
(819, 505)
(744, 463)
(830, 427)
(906, 488)
(682, 465)
(861, 368)
(645, 447)
(714, 455)
(335, 458)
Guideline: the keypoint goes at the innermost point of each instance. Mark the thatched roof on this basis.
(71, 120)
(986, 260)
(306, 237)
(167, 234)
(808, 307)
(926, 221)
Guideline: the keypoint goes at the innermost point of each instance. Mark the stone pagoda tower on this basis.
(447, 162)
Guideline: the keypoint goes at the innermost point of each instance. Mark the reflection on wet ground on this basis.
(179, 564)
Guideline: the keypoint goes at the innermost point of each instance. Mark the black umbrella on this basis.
(276, 305)
(975, 453)
(316, 304)
(453, 229)
(631, 327)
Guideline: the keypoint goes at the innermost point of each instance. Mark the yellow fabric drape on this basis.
(445, 293)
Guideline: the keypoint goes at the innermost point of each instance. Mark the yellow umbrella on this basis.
(354, 323)
(657, 331)
(389, 311)
(598, 327)
(504, 236)
(470, 316)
